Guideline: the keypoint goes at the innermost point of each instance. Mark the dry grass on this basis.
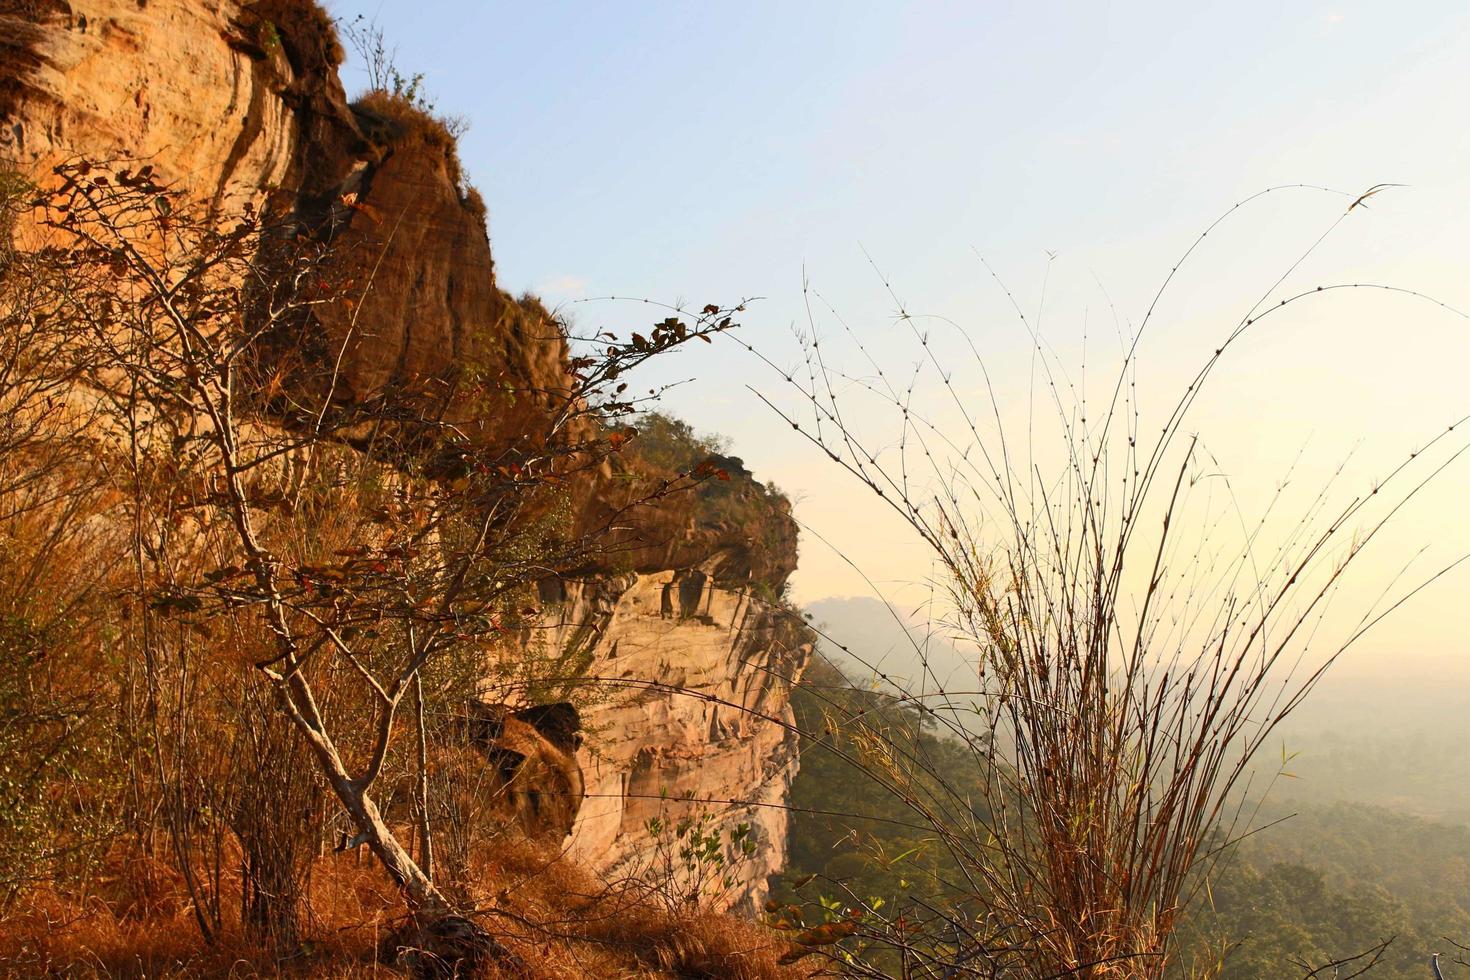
(560, 920)
(134, 920)
(571, 924)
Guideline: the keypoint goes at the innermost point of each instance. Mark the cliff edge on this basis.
(240, 104)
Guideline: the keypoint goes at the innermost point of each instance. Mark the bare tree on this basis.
(380, 62)
(1355, 966)
(360, 569)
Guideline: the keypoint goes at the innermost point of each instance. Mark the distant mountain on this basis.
(916, 656)
(1390, 741)
(1394, 741)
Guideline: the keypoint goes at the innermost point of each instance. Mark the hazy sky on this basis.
(713, 151)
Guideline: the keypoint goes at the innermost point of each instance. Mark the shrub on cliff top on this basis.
(393, 119)
(402, 101)
(306, 32)
(670, 443)
(759, 513)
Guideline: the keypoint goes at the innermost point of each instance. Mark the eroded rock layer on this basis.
(693, 719)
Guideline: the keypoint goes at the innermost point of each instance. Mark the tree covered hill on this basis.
(1322, 881)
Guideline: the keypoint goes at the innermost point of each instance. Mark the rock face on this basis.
(199, 88)
(240, 103)
(696, 719)
(534, 774)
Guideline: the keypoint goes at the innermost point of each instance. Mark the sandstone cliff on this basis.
(240, 103)
(701, 676)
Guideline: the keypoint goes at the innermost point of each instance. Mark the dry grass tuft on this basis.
(567, 923)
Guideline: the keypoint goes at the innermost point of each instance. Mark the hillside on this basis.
(1326, 876)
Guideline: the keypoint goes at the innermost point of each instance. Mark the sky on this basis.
(985, 158)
